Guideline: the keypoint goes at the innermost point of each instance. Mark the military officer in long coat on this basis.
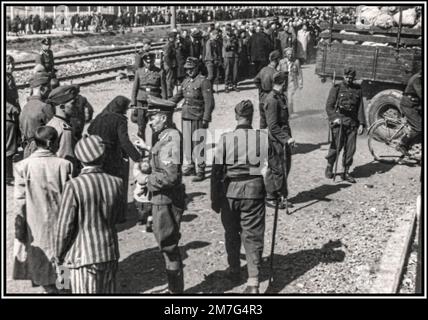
(280, 142)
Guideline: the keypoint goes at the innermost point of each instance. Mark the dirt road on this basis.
(331, 243)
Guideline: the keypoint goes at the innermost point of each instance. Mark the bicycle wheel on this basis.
(383, 137)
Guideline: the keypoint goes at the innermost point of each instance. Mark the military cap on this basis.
(89, 149)
(63, 94)
(196, 34)
(280, 77)
(244, 108)
(191, 63)
(274, 55)
(172, 34)
(156, 105)
(46, 41)
(148, 55)
(39, 79)
(350, 71)
(9, 59)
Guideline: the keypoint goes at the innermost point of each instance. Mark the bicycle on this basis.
(383, 137)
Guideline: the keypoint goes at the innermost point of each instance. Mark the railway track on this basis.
(107, 72)
(84, 56)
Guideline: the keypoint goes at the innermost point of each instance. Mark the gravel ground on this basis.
(331, 243)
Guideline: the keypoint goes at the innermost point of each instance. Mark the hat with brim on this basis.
(39, 79)
(63, 94)
(156, 105)
(89, 149)
(191, 63)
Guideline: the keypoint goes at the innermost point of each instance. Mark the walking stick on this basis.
(338, 150)
(272, 249)
(329, 129)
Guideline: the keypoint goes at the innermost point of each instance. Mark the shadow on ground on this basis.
(145, 270)
(287, 268)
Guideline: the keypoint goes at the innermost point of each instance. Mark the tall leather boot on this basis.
(175, 281)
(347, 177)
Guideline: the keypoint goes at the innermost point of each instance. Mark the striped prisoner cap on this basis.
(89, 149)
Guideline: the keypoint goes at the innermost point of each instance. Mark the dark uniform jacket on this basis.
(198, 98)
(169, 59)
(259, 46)
(279, 131)
(412, 96)
(236, 174)
(12, 91)
(165, 181)
(346, 102)
(276, 112)
(46, 59)
(148, 81)
(264, 81)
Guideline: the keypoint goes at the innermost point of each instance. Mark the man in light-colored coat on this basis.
(39, 184)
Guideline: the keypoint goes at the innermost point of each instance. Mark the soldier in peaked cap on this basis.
(36, 112)
(345, 110)
(168, 192)
(45, 57)
(280, 142)
(238, 192)
(149, 80)
(139, 55)
(89, 210)
(198, 106)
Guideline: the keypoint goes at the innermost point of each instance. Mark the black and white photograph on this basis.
(213, 149)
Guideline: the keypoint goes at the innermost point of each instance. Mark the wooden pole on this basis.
(173, 24)
(400, 25)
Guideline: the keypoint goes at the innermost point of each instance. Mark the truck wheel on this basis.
(386, 102)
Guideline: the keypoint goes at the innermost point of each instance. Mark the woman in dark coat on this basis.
(112, 126)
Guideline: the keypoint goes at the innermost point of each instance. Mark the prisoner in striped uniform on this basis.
(87, 241)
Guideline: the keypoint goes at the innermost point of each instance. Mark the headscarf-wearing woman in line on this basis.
(112, 126)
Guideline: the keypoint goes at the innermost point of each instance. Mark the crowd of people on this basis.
(33, 23)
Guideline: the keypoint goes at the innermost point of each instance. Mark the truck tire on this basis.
(385, 101)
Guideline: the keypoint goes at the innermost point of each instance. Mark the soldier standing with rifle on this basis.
(345, 111)
(149, 80)
(280, 142)
(238, 192)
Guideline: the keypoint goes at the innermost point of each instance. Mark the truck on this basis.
(384, 60)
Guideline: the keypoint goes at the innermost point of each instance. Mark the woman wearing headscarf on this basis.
(112, 126)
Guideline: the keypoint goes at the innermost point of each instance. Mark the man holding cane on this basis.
(280, 142)
(345, 111)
